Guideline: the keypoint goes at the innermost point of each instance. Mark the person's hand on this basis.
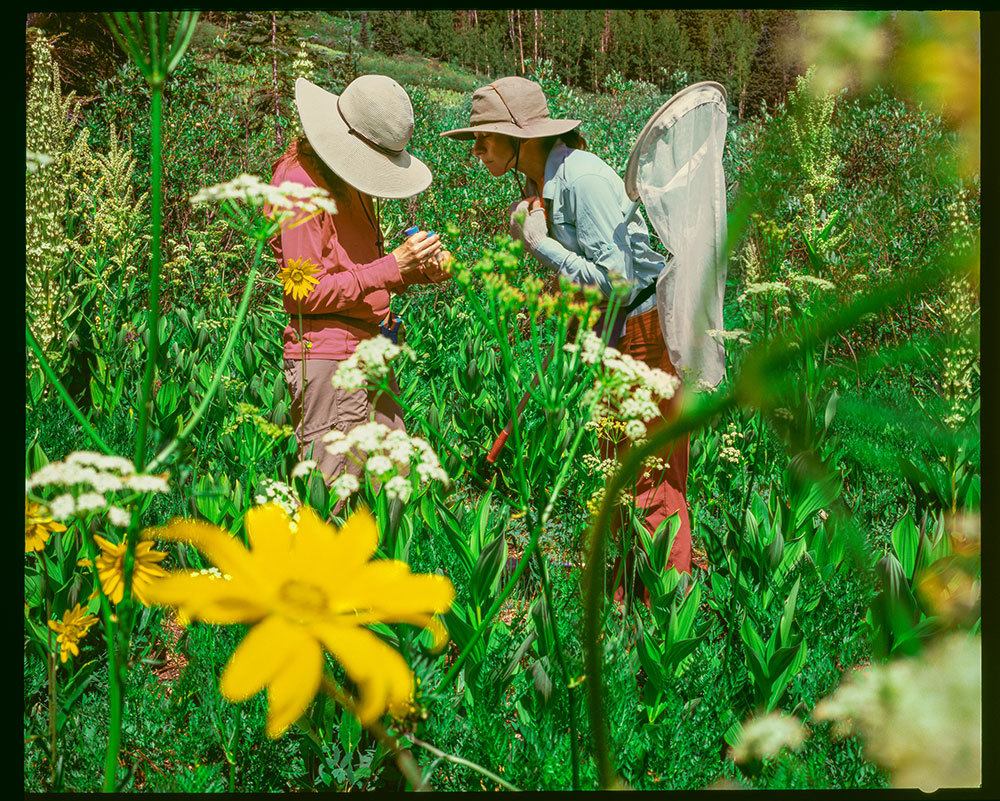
(527, 222)
(435, 271)
(414, 253)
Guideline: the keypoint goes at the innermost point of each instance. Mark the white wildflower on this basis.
(919, 717)
(635, 429)
(765, 737)
(398, 487)
(89, 501)
(119, 517)
(775, 288)
(142, 482)
(289, 197)
(369, 363)
(303, 468)
(343, 485)
(736, 335)
(62, 507)
(819, 283)
(34, 161)
(379, 465)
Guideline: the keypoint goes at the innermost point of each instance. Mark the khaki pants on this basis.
(328, 409)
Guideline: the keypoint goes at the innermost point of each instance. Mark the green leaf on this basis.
(831, 410)
(32, 587)
(350, 731)
(905, 541)
(782, 681)
(541, 616)
(678, 651)
(788, 615)
(651, 660)
(487, 570)
(682, 621)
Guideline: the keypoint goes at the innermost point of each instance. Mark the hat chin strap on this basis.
(517, 156)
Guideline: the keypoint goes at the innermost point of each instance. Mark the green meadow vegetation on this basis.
(828, 636)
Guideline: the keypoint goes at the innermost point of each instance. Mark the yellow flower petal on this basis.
(382, 675)
(222, 548)
(358, 538)
(294, 686)
(268, 532)
(257, 659)
(203, 597)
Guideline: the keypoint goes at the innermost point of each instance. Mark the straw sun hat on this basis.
(362, 134)
(512, 106)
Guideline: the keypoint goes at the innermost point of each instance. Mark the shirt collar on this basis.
(554, 161)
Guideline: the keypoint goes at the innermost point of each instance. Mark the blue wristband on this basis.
(411, 231)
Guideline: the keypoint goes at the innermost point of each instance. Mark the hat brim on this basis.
(368, 170)
(534, 129)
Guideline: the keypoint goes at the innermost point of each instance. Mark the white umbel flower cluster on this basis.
(369, 363)
(920, 717)
(387, 456)
(34, 161)
(278, 492)
(627, 389)
(90, 476)
(289, 197)
(765, 737)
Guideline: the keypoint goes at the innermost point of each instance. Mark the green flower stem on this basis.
(414, 414)
(570, 696)
(51, 669)
(53, 379)
(115, 688)
(407, 764)
(241, 312)
(153, 314)
(593, 589)
(461, 761)
(302, 420)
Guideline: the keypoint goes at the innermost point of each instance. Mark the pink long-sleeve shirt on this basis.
(352, 296)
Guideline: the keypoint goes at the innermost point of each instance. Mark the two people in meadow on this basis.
(571, 217)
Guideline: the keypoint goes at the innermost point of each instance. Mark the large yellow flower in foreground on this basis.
(298, 277)
(71, 629)
(306, 589)
(38, 525)
(111, 569)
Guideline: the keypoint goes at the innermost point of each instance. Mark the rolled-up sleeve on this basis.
(600, 233)
(342, 283)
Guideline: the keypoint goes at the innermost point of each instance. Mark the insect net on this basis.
(680, 180)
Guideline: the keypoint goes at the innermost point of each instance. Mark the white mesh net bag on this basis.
(675, 168)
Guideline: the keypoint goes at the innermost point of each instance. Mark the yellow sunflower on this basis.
(306, 589)
(38, 525)
(71, 629)
(111, 569)
(298, 277)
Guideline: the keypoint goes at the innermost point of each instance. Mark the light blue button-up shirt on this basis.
(589, 236)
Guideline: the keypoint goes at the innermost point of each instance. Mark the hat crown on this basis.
(378, 108)
(512, 99)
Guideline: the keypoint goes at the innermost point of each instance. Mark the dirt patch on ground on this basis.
(171, 653)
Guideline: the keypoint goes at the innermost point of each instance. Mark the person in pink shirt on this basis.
(354, 147)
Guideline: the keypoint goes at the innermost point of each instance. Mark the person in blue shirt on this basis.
(572, 217)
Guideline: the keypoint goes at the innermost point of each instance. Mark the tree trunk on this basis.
(534, 52)
(274, 76)
(606, 35)
(520, 41)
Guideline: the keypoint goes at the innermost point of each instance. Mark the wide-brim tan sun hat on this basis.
(362, 134)
(512, 106)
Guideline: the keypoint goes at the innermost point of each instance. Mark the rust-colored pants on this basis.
(659, 492)
(328, 409)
